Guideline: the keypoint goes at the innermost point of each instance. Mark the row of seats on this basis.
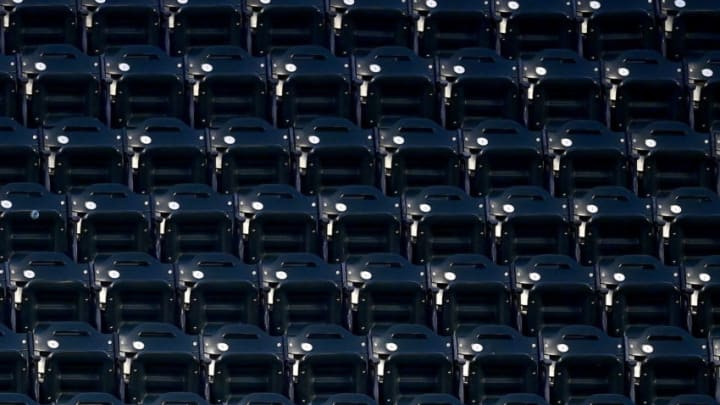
(213, 84)
(479, 365)
(433, 27)
(330, 152)
(284, 293)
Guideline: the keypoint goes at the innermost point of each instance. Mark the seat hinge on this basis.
(102, 298)
(127, 368)
(421, 24)
(609, 299)
(439, 296)
(18, 297)
(41, 369)
(187, 297)
(329, 230)
(211, 372)
(89, 20)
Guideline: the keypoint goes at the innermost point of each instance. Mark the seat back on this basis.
(198, 25)
(276, 26)
(116, 23)
(360, 26)
(19, 152)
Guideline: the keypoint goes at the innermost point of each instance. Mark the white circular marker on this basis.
(29, 274)
(340, 207)
(398, 140)
(459, 69)
(535, 276)
(17, 1)
(90, 205)
(449, 276)
(40, 66)
(281, 275)
(307, 347)
(675, 209)
(145, 140)
(391, 347)
(375, 68)
(348, 2)
(114, 274)
(619, 277)
(566, 142)
(63, 140)
(365, 275)
(138, 345)
(223, 347)
(182, 1)
(124, 67)
(264, 1)
(595, 5)
(647, 349)
(592, 208)
(680, 3)
(100, 1)
(313, 139)
(513, 5)
(290, 67)
(229, 140)
(482, 141)
(34, 214)
(707, 72)
(624, 72)
(257, 205)
(206, 67)
(425, 208)
(650, 143)
(53, 344)
(508, 208)
(7, 204)
(562, 348)
(540, 71)
(174, 205)
(198, 275)
(431, 3)
(476, 347)
(704, 277)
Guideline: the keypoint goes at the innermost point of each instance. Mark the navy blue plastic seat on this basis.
(263, 398)
(114, 23)
(703, 84)
(15, 366)
(608, 399)
(349, 399)
(275, 26)
(178, 398)
(701, 281)
(99, 398)
(199, 24)
(10, 104)
(30, 23)
(689, 28)
(692, 399)
(7, 398)
(20, 155)
(519, 399)
(361, 25)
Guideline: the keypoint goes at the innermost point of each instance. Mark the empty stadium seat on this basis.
(478, 84)
(360, 25)
(100, 398)
(333, 152)
(133, 288)
(109, 218)
(581, 361)
(71, 358)
(203, 23)
(607, 399)
(30, 23)
(143, 82)
(692, 399)
(394, 82)
(385, 290)
(639, 291)
(641, 85)
(612, 221)
(14, 365)
(309, 82)
(31, 219)
(411, 360)
(519, 399)
(469, 290)
(48, 287)
(687, 218)
(496, 361)
(276, 26)
(8, 398)
(241, 360)
(669, 155)
(442, 221)
(689, 27)
(703, 85)
(60, 82)
(417, 152)
(192, 218)
(701, 281)
(164, 152)
(226, 82)
(444, 27)
(9, 102)
(81, 152)
(349, 399)
(158, 358)
(263, 398)
(560, 86)
(327, 360)
(178, 398)
(114, 23)
(249, 152)
(586, 154)
(526, 221)
(501, 154)
(276, 219)
(300, 289)
(613, 26)
(554, 291)
(668, 362)
(19, 153)
(528, 26)
(358, 220)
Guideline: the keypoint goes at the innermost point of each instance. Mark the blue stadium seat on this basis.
(692, 399)
(30, 23)
(178, 398)
(442, 221)
(10, 103)
(249, 152)
(20, 154)
(479, 84)
(300, 289)
(109, 218)
(48, 287)
(99, 398)
(263, 398)
(327, 360)
(502, 154)
(519, 399)
(357, 220)
(385, 290)
(702, 82)
(192, 218)
(80, 152)
(133, 288)
(14, 366)
(496, 361)
(349, 399)
(275, 26)
(689, 27)
(216, 289)
(72, 358)
(701, 282)
(199, 24)
(114, 23)
(242, 360)
(361, 25)
(468, 290)
(608, 399)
